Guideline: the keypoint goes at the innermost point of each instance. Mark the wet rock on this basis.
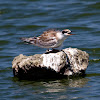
(68, 62)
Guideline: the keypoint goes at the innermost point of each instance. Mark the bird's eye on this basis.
(63, 32)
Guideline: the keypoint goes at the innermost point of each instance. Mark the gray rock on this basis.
(68, 62)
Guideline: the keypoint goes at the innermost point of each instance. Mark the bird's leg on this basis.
(55, 50)
(60, 47)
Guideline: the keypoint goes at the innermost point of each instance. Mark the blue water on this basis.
(27, 18)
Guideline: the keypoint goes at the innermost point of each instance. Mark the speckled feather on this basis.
(46, 40)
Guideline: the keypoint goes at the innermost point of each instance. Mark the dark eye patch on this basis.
(64, 32)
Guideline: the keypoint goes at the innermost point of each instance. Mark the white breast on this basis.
(60, 40)
(60, 36)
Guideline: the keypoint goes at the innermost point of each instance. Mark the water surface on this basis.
(26, 18)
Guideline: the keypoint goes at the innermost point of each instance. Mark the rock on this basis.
(68, 62)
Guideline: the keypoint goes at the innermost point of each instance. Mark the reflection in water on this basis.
(78, 83)
(64, 89)
(27, 18)
(61, 85)
(51, 83)
(52, 89)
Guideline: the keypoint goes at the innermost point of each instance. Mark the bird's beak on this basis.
(72, 34)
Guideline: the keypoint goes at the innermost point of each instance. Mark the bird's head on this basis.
(66, 32)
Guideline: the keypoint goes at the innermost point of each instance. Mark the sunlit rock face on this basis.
(68, 62)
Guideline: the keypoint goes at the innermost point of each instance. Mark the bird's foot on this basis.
(51, 51)
(55, 50)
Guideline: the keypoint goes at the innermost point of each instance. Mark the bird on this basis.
(49, 39)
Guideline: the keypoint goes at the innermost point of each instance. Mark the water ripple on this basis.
(26, 18)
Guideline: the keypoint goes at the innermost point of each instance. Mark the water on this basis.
(26, 18)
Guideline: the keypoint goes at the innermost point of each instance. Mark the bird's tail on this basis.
(29, 40)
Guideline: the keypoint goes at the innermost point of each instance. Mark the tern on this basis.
(49, 39)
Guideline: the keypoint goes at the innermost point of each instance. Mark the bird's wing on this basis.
(46, 43)
(46, 40)
(29, 40)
